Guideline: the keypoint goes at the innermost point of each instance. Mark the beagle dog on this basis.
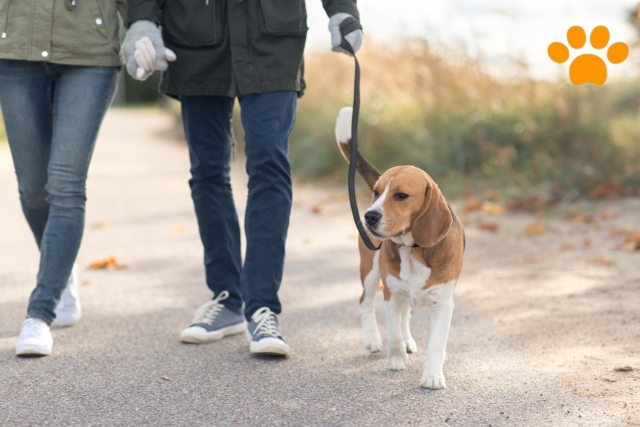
(419, 261)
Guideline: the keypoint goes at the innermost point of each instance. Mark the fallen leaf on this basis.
(165, 378)
(308, 240)
(489, 226)
(353, 236)
(617, 232)
(565, 247)
(100, 225)
(625, 368)
(586, 242)
(472, 206)
(535, 229)
(533, 260)
(107, 264)
(85, 282)
(602, 260)
(177, 229)
(606, 215)
(492, 208)
(632, 242)
(316, 209)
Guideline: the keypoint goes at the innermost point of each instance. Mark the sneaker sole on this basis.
(268, 349)
(33, 351)
(196, 337)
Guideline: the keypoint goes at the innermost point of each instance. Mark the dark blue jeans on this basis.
(52, 114)
(267, 120)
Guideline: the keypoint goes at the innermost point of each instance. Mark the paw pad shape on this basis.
(588, 68)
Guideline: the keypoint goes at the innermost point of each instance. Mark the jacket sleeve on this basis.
(148, 10)
(337, 6)
(122, 8)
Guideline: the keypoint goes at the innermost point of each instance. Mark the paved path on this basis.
(109, 369)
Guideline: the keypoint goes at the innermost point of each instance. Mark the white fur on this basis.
(370, 333)
(407, 291)
(343, 125)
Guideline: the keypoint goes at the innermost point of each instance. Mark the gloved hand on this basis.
(143, 50)
(354, 38)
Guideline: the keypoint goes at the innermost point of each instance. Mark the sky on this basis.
(495, 29)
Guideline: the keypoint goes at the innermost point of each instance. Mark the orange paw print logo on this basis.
(588, 68)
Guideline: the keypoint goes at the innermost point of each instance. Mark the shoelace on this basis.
(265, 322)
(208, 312)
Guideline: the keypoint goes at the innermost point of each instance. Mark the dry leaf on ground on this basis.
(177, 229)
(631, 242)
(100, 225)
(625, 368)
(472, 206)
(165, 378)
(617, 232)
(565, 247)
(586, 242)
(316, 209)
(535, 229)
(107, 264)
(492, 208)
(489, 226)
(533, 260)
(602, 260)
(607, 216)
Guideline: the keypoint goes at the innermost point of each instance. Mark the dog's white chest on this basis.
(413, 275)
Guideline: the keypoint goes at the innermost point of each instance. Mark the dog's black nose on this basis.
(372, 217)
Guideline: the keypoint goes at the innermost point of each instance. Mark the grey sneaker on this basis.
(264, 334)
(213, 321)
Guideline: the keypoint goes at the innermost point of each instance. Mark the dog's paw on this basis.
(412, 347)
(397, 363)
(432, 381)
(372, 340)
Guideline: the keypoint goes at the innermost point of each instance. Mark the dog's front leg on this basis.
(409, 342)
(396, 348)
(433, 377)
(370, 333)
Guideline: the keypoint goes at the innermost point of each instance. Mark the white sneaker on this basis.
(35, 339)
(69, 311)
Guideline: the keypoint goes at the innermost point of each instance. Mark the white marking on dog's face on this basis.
(378, 206)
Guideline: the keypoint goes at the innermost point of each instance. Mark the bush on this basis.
(452, 119)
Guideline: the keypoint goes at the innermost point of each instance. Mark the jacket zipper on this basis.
(6, 21)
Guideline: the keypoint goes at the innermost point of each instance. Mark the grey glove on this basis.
(143, 50)
(354, 38)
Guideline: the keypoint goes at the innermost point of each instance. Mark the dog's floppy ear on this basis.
(434, 221)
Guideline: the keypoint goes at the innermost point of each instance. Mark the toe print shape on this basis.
(588, 68)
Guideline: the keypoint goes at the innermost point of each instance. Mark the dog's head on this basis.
(406, 200)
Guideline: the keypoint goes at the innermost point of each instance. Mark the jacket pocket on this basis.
(193, 22)
(284, 17)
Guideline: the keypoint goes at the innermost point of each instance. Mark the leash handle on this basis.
(347, 26)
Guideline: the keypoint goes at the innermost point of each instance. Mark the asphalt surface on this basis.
(123, 364)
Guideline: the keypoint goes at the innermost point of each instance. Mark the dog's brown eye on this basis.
(375, 193)
(400, 196)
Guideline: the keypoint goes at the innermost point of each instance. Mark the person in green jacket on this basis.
(211, 52)
(59, 67)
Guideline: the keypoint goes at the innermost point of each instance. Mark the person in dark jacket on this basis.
(211, 52)
(59, 67)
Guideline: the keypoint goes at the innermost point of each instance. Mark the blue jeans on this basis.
(52, 114)
(267, 120)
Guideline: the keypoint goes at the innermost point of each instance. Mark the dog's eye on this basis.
(375, 193)
(400, 196)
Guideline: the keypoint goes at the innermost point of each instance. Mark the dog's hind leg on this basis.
(410, 343)
(441, 312)
(370, 333)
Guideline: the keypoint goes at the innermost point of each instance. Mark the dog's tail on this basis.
(343, 135)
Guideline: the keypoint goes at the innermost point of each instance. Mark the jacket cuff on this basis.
(343, 6)
(147, 11)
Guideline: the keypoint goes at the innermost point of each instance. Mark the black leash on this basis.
(347, 26)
